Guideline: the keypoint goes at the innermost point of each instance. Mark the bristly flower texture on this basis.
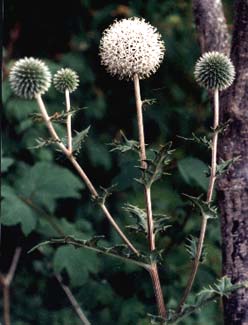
(29, 77)
(66, 79)
(131, 46)
(214, 70)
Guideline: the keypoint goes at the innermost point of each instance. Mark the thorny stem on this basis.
(68, 122)
(212, 179)
(147, 191)
(72, 300)
(81, 172)
(5, 281)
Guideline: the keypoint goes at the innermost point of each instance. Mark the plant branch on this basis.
(212, 179)
(81, 172)
(88, 245)
(147, 191)
(68, 122)
(72, 300)
(5, 281)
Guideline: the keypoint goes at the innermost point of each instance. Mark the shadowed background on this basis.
(110, 292)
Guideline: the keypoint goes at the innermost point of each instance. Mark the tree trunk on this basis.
(233, 186)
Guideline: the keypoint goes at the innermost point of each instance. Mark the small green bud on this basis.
(66, 79)
(29, 77)
(214, 70)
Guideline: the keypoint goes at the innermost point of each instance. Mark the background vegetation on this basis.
(40, 189)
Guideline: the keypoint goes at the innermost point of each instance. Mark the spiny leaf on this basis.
(223, 127)
(191, 248)
(156, 167)
(59, 117)
(148, 102)
(124, 144)
(140, 217)
(207, 209)
(225, 165)
(160, 223)
(79, 139)
(105, 193)
(121, 252)
(44, 142)
(199, 140)
(223, 287)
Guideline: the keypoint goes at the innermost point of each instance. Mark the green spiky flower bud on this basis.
(29, 77)
(66, 79)
(214, 70)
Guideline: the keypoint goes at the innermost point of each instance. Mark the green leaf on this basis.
(140, 217)
(225, 165)
(78, 263)
(223, 287)
(192, 171)
(45, 182)
(6, 163)
(79, 139)
(156, 166)
(124, 144)
(191, 248)
(15, 211)
(207, 209)
(200, 140)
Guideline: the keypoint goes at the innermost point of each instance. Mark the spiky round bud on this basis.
(29, 77)
(66, 79)
(131, 46)
(214, 70)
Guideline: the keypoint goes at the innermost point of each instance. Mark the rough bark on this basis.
(211, 25)
(233, 186)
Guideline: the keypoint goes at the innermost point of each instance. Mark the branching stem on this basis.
(81, 172)
(72, 300)
(212, 179)
(5, 281)
(147, 191)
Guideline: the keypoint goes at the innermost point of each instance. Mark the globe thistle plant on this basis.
(66, 79)
(131, 46)
(214, 70)
(29, 77)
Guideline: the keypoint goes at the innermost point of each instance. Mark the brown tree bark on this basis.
(233, 186)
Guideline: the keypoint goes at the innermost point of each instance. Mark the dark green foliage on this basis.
(43, 198)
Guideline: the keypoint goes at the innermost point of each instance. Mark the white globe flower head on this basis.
(131, 46)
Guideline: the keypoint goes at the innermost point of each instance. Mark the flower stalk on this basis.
(81, 172)
(153, 270)
(68, 122)
(212, 180)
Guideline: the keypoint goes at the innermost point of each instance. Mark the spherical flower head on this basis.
(214, 70)
(29, 77)
(66, 79)
(131, 46)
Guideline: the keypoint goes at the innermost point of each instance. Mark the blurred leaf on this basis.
(191, 248)
(45, 182)
(15, 211)
(192, 171)
(6, 163)
(78, 263)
